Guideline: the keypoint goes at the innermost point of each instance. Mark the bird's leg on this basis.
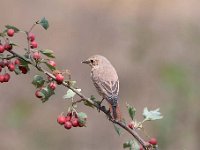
(109, 114)
(99, 102)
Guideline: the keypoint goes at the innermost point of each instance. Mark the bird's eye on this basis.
(92, 61)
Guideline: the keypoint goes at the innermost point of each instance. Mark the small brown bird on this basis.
(105, 79)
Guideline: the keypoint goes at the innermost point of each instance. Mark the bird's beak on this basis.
(85, 62)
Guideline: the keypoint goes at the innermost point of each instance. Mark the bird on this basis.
(106, 81)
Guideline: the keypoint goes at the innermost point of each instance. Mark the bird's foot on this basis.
(108, 113)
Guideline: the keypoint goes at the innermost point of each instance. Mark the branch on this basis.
(133, 132)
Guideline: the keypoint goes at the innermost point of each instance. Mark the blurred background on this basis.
(154, 46)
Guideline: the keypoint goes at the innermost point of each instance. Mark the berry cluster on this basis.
(33, 55)
(33, 44)
(7, 46)
(31, 38)
(51, 85)
(10, 66)
(71, 120)
(9, 63)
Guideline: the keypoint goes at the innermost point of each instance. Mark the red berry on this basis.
(2, 49)
(68, 118)
(38, 94)
(31, 37)
(153, 141)
(131, 125)
(34, 44)
(10, 32)
(141, 147)
(36, 55)
(52, 85)
(2, 64)
(17, 62)
(11, 67)
(69, 114)
(52, 63)
(0, 68)
(61, 120)
(74, 122)
(6, 77)
(1, 78)
(59, 78)
(8, 47)
(23, 69)
(68, 125)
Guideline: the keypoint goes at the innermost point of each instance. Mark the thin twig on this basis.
(77, 101)
(8, 57)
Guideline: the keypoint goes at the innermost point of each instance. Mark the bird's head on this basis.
(95, 61)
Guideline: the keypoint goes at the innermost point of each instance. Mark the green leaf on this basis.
(47, 52)
(152, 115)
(131, 111)
(117, 129)
(14, 44)
(1, 56)
(44, 23)
(92, 97)
(47, 92)
(24, 62)
(136, 146)
(82, 118)
(38, 81)
(52, 68)
(128, 144)
(17, 71)
(12, 27)
(88, 104)
(132, 145)
(70, 93)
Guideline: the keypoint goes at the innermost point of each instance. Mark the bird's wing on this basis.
(110, 90)
(111, 87)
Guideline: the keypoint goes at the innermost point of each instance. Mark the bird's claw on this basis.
(100, 107)
(108, 113)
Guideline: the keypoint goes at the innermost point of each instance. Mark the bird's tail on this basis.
(115, 111)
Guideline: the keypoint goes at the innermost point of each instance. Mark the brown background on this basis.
(154, 46)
